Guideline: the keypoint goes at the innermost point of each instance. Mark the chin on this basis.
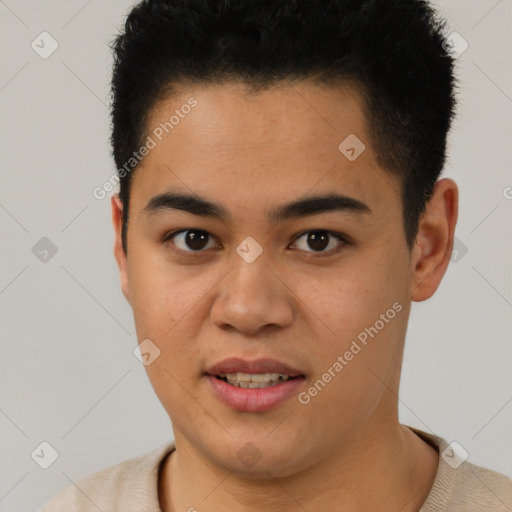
(259, 457)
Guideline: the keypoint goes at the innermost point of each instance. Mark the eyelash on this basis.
(341, 238)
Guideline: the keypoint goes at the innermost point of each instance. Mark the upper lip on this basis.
(237, 365)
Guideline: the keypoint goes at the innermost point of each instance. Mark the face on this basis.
(262, 266)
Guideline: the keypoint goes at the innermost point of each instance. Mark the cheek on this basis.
(170, 308)
(343, 301)
(358, 314)
(160, 292)
(166, 302)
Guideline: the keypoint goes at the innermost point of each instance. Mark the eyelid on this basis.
(343, 239)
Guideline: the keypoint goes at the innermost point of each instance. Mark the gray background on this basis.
(68, 375)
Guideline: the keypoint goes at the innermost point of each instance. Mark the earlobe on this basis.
(120, 255)
(434, 242)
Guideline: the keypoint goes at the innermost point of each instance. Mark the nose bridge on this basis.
(252, 296)
(250, 274)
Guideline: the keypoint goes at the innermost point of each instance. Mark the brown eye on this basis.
(318, 241)
(191, 240)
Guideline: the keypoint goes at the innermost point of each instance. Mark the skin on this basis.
(250, 153)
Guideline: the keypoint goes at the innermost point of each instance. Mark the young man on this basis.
(280, 208)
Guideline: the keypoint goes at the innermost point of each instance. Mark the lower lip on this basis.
(254, 400)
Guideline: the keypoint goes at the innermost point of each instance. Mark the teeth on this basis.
(254, 380)
(255, 377)
(256, 385)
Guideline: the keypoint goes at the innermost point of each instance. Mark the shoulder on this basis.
(462, 486)
(477, 489)
(128, 485)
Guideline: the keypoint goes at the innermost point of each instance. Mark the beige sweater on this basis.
(131, 486)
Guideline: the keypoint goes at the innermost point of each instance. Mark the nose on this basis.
(252, 299)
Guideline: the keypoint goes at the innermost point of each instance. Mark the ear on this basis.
(434, 242)
(120, 255)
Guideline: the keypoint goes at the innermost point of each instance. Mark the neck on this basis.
(380, 469)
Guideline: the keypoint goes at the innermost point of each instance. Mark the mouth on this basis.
(254, 386)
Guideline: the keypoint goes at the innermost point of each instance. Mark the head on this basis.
(318, 129)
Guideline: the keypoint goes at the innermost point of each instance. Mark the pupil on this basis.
(318, 240)
(196, 239)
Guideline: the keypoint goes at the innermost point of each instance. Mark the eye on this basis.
(320, 241)
(195, 241)
(191, 240)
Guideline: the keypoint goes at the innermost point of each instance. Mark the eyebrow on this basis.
(302, 207)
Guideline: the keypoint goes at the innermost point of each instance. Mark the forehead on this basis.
(280, 142)
(229, 116)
